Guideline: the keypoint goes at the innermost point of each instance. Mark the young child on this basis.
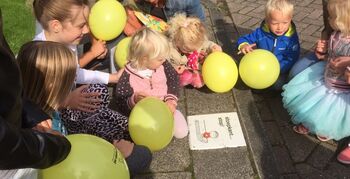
(86, 108)
(150, 74)
(322, 104)
(52, 66)
(276, 34)
(188, 36)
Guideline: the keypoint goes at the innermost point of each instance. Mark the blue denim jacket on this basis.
(190, 7)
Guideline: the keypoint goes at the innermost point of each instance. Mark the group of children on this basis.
(160, 63)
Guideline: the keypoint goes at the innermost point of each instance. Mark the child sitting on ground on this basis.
(322, 104)
(276, 34)
(148, 73)
(188, 36)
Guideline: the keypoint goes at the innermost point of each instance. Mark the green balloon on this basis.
(107, 19)
(151, 123)
(121, 52)
(90, 158)
(259, 69)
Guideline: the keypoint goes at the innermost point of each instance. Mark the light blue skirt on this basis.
(324, 111)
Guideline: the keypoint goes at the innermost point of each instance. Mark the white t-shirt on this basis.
(83, 76)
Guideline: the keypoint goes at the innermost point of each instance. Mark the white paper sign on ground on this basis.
(213, 131)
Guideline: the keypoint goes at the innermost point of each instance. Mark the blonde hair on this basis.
(48, 72)
(46, 10)
(284, 6)
(147, 44)
(341, 10)
(186, 32)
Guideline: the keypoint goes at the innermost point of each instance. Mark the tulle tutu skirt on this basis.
(324, 111)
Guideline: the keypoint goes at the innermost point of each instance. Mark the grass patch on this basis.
(18, 23)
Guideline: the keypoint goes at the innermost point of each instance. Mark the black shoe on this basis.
(139, 160)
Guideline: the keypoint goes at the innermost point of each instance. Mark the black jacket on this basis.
(22, 148)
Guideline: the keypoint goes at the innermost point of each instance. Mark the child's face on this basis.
(73, 30)
(153, 64)
(279, 22)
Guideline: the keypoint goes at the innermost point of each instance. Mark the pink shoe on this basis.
(344, 156)
(197, 80)
(185, 78)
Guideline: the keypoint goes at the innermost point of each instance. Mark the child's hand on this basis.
(172, 105)
(216, 48)
(125, 147)
(98, 48)
(321, 49)
(114, 78)
(246, 48)
(46, 127)
(139, 96)
(340, 63)
(86, 102)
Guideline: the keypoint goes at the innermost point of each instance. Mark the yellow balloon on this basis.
(121, 52)
(107, 19)
(151, 123)
(219, 72)
(259, 69)
(90, 157)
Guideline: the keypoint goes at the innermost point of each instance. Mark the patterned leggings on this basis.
(104, 122)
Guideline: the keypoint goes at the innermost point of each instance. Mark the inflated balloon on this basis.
(151, 123)
(259, 69)
(121, 52)
(107, 19)
(90, 157)
(219, 72)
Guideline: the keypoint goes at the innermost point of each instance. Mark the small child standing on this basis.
(276, 34)
(188, 36)
(322, 104)
(150, 74)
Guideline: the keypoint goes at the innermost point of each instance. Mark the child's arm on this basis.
(290, 56)
(173, 86)
(246, 42)
(123, 94)
(98, 50)
(92, 77)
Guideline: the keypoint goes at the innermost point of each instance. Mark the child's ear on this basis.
(55, 26)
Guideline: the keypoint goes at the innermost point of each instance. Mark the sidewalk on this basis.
(273, 149)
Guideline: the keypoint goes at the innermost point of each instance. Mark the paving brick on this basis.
(283, 159)
(273, 133)
(308, 38)
(300, 16)
(310, 29)
(312, 21)
(321, 156)
(299, 146)
(245, 10)
(315, 14)
(306, 171)
(240, 18)
(251, 23)
(234, 7)
(308, 45)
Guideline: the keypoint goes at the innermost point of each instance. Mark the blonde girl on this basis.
(150, 74)
(321, 107)
(188, 35)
